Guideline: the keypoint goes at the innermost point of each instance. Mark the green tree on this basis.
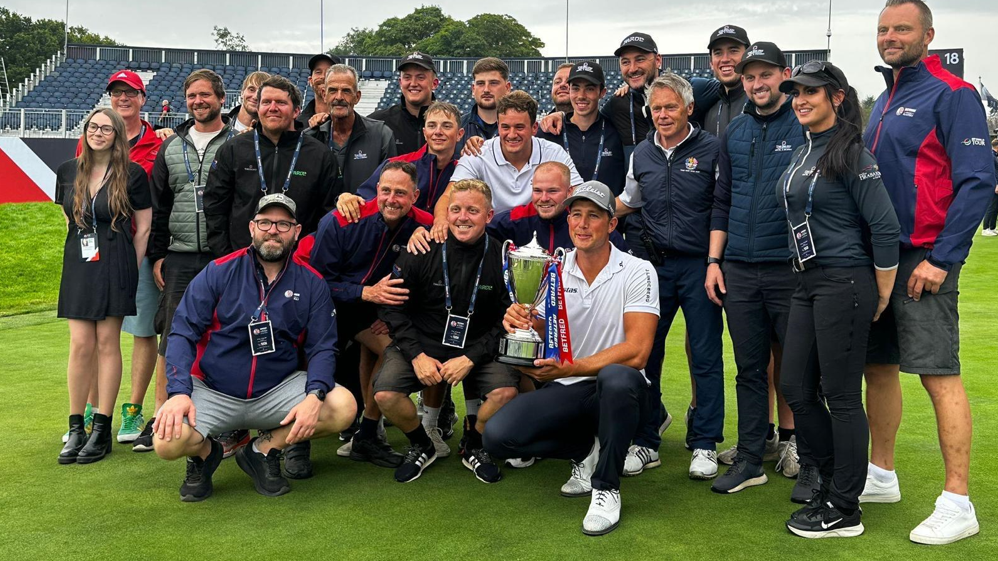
(228, 40)
(25, 43)
(867, 107)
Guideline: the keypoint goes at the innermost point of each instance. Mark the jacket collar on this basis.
(908, 73)
(753, 110)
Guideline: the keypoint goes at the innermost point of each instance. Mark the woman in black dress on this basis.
(106, 200)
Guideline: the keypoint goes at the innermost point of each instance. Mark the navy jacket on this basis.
(431, 181)
(473, 125)
(584, 146)
(520, 224)
(677, 192)
(351, 256)
(755, 151)
(210, 335)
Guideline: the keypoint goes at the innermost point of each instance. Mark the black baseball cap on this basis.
(588, 70)
(762, 51)
(816, 73)
(331, 59)
(637, 40)
(277, 199)
(729, 33)
(419, 59)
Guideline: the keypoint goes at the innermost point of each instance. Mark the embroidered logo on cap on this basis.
(756, 51)
(725, 31)
(584, 67)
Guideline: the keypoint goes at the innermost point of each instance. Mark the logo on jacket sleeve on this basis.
(974, 142)
(871, 171)
(784, 146)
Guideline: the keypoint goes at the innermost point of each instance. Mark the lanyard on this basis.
(478, 277)
(262, 308)
(599, 151)
(259, 162)
(634, 134)
(187, 162)
(93, 200)
(810, 196)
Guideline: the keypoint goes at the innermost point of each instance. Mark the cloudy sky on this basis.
(595, 27)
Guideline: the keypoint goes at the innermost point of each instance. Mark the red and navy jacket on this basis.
(351, 256)
(929, 134)
(520, 224)
(210, 334)
(432, 182)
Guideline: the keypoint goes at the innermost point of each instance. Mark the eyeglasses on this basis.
(283, 226)
(130, 94)
(106, 130)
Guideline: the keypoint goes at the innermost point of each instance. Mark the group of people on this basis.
(309, 269)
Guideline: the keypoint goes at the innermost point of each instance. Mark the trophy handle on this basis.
(559, 254)
(507, 275)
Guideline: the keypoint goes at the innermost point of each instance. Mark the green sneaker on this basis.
(131, 422)
(88, 422)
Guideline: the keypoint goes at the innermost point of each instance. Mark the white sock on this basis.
(963, 501)
(882, 475)
(471, 406)
(430, 417)
(255, 449)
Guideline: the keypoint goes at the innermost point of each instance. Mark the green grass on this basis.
(128, 505)
(33, 236)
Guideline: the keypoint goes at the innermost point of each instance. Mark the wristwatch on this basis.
(319, 393)
(714, 260)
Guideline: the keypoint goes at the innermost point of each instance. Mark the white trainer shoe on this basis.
(770, 454)
(580, 482)
(948, 523)
(344, 451)
(728, 456)
(639, 459)
(665, 424)
(437, 437)
(789, 462)
(877, 492)
(520, 463)
(704, 464)
(604, 513)
(989, 233)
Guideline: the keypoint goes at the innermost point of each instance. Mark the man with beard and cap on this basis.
(747, 270)
(235, 354)
(243, 116)
(359, 143)
(726, 48)
(560, 94)
(417, 80)
(178, 247)
(317, 67)
(489, 84)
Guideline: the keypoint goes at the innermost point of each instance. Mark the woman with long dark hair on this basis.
(103, 195)
(844, 241)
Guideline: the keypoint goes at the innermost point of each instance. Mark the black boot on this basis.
(99, 443)
(77, 439)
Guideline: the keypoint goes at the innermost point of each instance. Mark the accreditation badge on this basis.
(199, 198)
(89, 252)
(803, 242)
(456, 331)
(261, 337)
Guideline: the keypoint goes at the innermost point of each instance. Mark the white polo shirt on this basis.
(596, 312)
(511, 187)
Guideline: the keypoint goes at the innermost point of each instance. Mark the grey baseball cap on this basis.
(277, 199)
(596, 192)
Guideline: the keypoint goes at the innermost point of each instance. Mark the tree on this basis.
(228, 40)
(25, 43)
(430, 30)
(867, 107)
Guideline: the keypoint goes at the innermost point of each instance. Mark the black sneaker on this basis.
(197, 484)
(739, 476)
(416, 460)
(826, 521)
(264, 470)
(144, 442)
(376, 451)
(808, 482)
(298, 460)
(481, 464)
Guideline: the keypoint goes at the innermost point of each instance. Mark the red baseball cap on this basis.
(129, 78)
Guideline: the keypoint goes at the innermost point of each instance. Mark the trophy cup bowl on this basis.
(526, 276)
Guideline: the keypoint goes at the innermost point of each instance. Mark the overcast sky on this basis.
(595, 26)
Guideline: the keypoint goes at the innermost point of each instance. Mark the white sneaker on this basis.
(948, 523)
(344, 451)
(437, 436)
(639, 459)
(789, 462)
(728, 456)
(520, 463)
(989, 233)
(704, 464)
(772, 450)
(604, 513)
(877, 492)
(665, 424)
(580, 482)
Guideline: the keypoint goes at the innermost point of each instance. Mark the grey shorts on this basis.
(398, 375)
(217, 413)
(146, 304)
(923, 337)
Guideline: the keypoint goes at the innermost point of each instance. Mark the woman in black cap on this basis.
(844, 242)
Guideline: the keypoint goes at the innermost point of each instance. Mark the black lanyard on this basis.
(599, 152)
(259, 162)
(93, 200)
(478, 277)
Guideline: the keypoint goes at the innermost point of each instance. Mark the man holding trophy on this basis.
(448, 331)
(606, 302)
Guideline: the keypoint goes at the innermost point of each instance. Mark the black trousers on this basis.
(559, 421)
(830, 317)
(991, 214)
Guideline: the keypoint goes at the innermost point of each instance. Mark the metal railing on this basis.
(64, 123)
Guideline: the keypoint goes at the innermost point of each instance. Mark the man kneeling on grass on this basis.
(591, 408)
(233, 359)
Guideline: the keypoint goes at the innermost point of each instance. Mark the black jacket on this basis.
(371, 143)
(473, 125)
(408, 128)
(584, 148)
(233, 187)
(729, 105)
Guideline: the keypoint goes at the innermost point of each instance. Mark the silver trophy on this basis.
(525, 273)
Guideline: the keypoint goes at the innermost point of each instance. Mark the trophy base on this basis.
(521, 348)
